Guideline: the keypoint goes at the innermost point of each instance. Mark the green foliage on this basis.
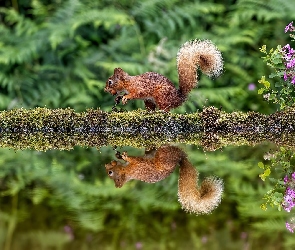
(266, 169)
(282, 164)
(60, 53)
(280, 92)
(282, 62)
(50, 61)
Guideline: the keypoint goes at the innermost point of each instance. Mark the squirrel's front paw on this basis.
(124, 99)
(124, 155)
(118, 99)
(118, 155)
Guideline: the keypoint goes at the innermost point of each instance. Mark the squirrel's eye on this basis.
(110, 82)
(111, 173)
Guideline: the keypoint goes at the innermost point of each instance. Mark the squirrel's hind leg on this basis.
(150, 105)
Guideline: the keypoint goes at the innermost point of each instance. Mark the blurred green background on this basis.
(58, 54)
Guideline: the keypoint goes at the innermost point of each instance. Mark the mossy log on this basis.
(43, 129)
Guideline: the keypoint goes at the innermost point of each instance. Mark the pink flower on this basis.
(289, 197)
(288, 51)
(251, 86)
(138, 245)
(286, 179)
(289, 27)
(285, 76)
(69, 231)
(291, 64)
(286, 47)
(290, 227)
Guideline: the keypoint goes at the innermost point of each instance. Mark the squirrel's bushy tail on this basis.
(195, 199)
(196, 54)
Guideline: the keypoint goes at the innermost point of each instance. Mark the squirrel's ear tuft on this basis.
(108, 166)
(118, 71)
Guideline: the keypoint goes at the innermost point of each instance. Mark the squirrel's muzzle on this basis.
(111, 91)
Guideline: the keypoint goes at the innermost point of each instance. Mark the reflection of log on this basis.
(44, 129)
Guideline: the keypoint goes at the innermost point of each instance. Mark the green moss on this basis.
(44, 129)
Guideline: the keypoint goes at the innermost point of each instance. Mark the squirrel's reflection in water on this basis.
(158, 164)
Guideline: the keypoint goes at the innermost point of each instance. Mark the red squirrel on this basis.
(157, 90)
(159, 165)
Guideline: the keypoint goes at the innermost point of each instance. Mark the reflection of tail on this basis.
(195, 199)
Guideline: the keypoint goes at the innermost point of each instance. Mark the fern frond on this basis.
(270, 225)
(220, 95)
(263, 11)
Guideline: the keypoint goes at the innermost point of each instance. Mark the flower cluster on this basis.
(289, 59)
(288, 54)
(289, 198)
(289, 27)
(282, 62)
